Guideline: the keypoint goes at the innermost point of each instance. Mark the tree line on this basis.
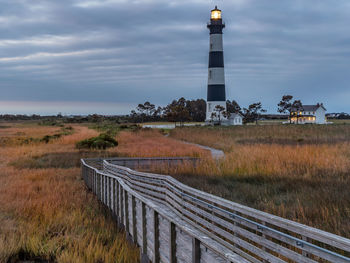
(182, 110)
(179, 111)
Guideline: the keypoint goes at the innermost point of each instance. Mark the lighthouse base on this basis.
(213, 114)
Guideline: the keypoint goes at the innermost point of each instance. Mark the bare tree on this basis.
(297, 107)
(285, 106)
(219, 111)
(253, 112)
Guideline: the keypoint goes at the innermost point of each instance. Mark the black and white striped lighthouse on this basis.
(216, 74)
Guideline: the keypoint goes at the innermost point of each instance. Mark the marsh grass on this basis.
(152, 143)
(18, 137)
(47, 214)
(304, 181)
(225, 138)
(113, 128)
(62, 160)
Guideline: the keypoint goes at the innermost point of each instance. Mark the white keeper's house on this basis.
(309, 114)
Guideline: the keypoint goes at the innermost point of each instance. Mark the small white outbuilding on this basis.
(234, 119)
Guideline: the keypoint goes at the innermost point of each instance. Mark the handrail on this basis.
(227, 222)
(198, 239)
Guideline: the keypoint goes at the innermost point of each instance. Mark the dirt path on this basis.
(215, 153)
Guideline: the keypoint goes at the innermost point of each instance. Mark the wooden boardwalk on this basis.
(172, 222)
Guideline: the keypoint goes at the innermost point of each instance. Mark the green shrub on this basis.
(101, 142)
(48, 138)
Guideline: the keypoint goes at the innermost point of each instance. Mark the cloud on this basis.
(131, 51)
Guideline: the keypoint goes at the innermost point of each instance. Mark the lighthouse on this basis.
(216, 94)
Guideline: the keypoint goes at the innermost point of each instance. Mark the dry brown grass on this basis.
(305, 177)
(151, 143)
(49, 214)
(21, 129)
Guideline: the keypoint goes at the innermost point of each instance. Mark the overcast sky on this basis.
(106, 56)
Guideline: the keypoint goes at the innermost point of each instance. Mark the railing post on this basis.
(134, 226)
(99, 179)
(93, 181)
(110, 193)
(304, 253)
(117, 202)
(172, 245)
(144, 229)
(126, 207)
(102, 188)
(196, 250)
(113, 197)
(156, 237)
(96, 184)
(122, 219)
(106, 190)
(89, 179)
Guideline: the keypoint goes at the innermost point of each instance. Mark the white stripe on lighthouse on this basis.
(216, 42)
(216, 76)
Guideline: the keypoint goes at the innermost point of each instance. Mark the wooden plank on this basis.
(144, 228)
(101, 188)
(134, 219)
(196, 251)
(313, 233)
(94, 182)
(156, 237)
(164, 239)
(172, 245)
(114, 197)
(104, 189)
(242, 243)
(117, 200)
(150, 230)
(221, 225)
(121, 191)
(110, 193)
(126, 212)
(149, 192)
(208, 256)
(149, 186)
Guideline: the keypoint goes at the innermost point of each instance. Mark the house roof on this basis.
(310, 107)
(234, 115)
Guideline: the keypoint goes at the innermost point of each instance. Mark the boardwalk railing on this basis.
(172, 222)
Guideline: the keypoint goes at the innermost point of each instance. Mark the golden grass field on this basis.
(47, 213)
(297, 172)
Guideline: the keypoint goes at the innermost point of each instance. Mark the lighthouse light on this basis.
(216, 14)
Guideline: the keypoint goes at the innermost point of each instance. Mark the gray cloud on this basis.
(120, 51)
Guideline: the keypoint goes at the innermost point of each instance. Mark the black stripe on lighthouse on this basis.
(216, 28)
(216, 92)
(216, 59)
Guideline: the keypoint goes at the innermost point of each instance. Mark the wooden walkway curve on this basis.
(172, 222)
